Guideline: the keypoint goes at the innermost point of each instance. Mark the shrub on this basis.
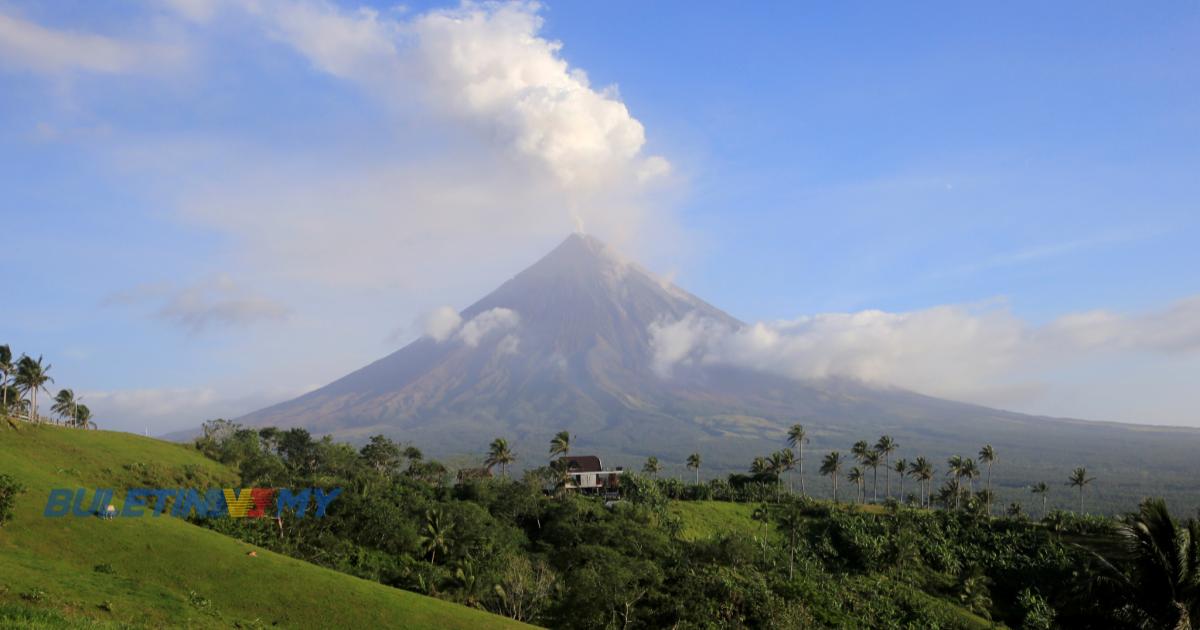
(9, 490)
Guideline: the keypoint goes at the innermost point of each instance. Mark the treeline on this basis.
(21, 382)
(529, 549)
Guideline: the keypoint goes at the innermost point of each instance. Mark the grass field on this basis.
(158, 572)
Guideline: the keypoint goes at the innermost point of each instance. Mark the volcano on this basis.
(567, 345)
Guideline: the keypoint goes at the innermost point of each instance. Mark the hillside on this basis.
(566, 344)
(164, 571)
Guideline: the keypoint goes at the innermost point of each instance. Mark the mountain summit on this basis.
(567, 345)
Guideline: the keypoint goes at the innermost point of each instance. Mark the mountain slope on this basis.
(166, 572)
(566, 344)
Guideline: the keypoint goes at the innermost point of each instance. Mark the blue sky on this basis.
(210, 205)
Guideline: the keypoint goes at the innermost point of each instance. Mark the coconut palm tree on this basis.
(901, 468)
(1044, 490)
(435, 535)
(1163, 583)
(6, 370)
(987, 455)
(64, 404)
(652, 467)
(922, 471)
(693, 463)
(83, 417)
(560, 444)
(499, 454)
(886, 446)
(873, 459)
(797, 438)
(832, 467)
(781, 462)
(970, 471)
(31, 378)
(859, 450)
(859, 479)
(1079, 479)
(955, 467)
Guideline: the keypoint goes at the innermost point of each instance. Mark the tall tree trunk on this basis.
(802, 469)
(887, 474)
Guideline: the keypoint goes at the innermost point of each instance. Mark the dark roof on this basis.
(582, 463)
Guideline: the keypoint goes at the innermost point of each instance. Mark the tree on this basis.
(901, 468)
(64, 403)
(6, 370)
(83, 417)
(970, 471)
(857, 478)
(435, 534)
(1162, 584)
(1079, 479)
(797, 438)
(499, 454)
(1043, 489)
(955, 468)
(652, 467)
(859, 450)
(31, 378)
(380, 454)
(987, 455)
(872, 459)
(922, 471)
(831, 466)
(9, 490)
(886, 446)
(560, 444)
(693, 463)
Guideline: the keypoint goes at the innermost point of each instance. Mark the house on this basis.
(589, 476)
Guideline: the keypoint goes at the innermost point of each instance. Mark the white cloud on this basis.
(445, 323)
(486, 322)
(30, 46)
(169, 409)
(979, 353)
(440, 323)
(215, 301)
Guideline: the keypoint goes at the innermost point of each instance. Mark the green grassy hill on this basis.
(157, 572)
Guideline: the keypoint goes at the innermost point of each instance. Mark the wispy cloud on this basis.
(29, 46)
(980, 353)
(214, 302)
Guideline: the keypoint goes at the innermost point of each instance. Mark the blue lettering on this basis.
(186, 502)
(298, 503)
(323, 500)
(135, 500)
(58, 503)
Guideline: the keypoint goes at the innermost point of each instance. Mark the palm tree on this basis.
(922, 471)
(955, 468)
(987, 455)
(886, 446)
(901, 467)
(787, 463)
(797, 438)
(83, 417)
(560, 444)
(857, 478)
(873, 459)
(859, 450)
(1163, 585)
(64, 404)
(435, 535)
(970, 470)
(832, 466)
(31, 378)
(1079, 479)
(693, 463)
(499, 454)
(6, 370)
(652, 467)
(1044, 490)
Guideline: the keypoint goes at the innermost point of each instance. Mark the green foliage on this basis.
(9, 490)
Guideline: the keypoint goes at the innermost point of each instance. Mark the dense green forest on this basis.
(533, 550)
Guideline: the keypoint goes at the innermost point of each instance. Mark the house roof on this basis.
(582, 463)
